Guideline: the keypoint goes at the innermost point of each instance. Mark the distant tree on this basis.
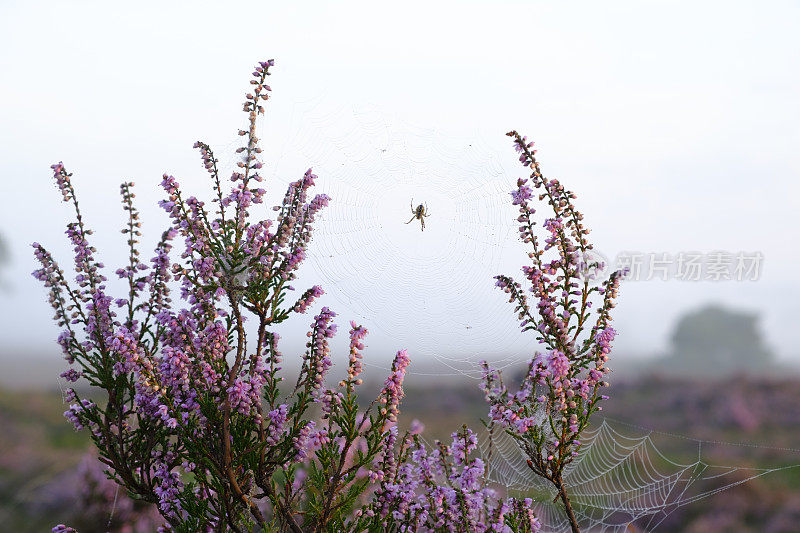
(716, 339)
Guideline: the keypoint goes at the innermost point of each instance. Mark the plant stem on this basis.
(562, 492)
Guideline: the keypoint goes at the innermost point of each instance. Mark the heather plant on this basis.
(443, 489)
(194, 415)
(562, 387)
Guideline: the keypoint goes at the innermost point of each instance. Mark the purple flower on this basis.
(522, 193)
(392, 391)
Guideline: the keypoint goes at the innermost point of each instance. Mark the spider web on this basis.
(619, 478)
(429, 291)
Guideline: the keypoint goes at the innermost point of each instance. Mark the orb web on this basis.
(430, 291)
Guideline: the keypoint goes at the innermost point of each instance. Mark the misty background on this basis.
(675, 122)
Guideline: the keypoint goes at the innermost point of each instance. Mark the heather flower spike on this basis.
(562, 387)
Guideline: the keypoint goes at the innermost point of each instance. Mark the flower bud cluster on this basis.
(443, 489)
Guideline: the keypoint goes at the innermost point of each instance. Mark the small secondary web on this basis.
(620, 476)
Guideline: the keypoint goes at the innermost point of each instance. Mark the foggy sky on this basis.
(675, 122)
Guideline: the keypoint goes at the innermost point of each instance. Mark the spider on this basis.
(419, 213)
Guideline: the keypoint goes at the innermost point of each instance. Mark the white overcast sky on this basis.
(675, 122)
